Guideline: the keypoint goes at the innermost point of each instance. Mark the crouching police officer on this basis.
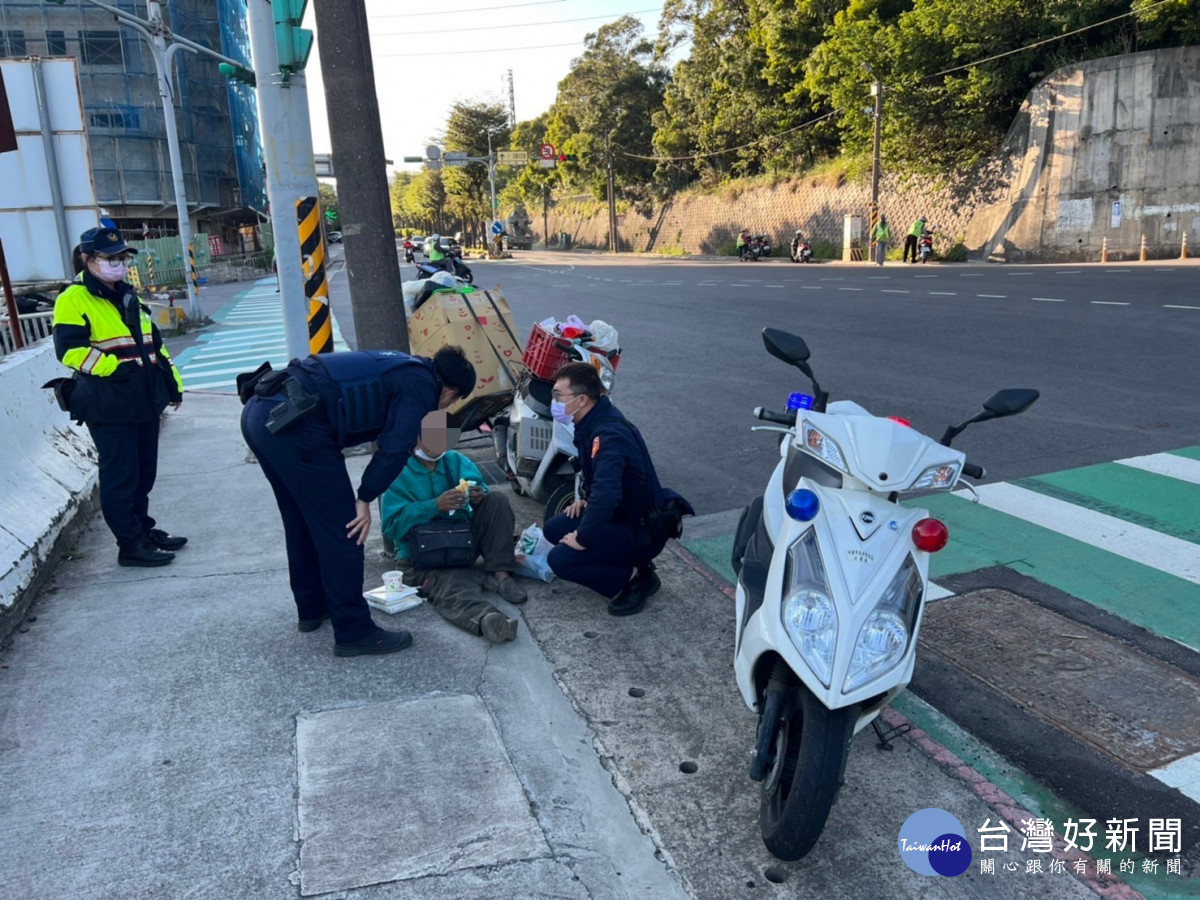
(297, 421)
(602, 539)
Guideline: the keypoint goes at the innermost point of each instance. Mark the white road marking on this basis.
(944, 293)
(879, 278)
(850, 289)
(970, 275)
(1049, 299)
(1177, 306)
(665, 282)
(707, 283)
(994, 296)
(1069, 272)
(739, 285)
(1015, 274)
(1183, 775)
(780, 286)
(1168, 464)
(892, 291)
(1118, 270)
(1134, 542)
(936, 592)
(810, 287)
(1109, 303)
(924, 276)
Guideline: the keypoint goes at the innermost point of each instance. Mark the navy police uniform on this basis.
(620, 485)
(364, 395)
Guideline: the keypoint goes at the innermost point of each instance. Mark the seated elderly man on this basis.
(428, 489)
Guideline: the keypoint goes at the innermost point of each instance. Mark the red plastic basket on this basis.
(542, 357)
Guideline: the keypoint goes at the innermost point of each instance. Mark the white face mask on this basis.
(558, 412)
(112, 271)
(421, 454)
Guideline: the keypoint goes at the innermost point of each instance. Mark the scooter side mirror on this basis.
(1010, 402)
(788, 347)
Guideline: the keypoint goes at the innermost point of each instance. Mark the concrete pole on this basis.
(372, 266)
(492, 180)
(612, 200)
(162, 65)
(287, 151)
(877, 93)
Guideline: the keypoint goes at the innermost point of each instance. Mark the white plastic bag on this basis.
(532, 556)
(604, 336)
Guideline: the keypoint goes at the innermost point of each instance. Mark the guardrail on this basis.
(34, 327)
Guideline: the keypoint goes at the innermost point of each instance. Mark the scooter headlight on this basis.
(606, 378)
(808, 614)
(824, 447)
(886, 634)
(937, 477)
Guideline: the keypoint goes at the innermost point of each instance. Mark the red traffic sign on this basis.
(547, 151)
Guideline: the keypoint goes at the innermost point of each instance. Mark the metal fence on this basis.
(34, 327)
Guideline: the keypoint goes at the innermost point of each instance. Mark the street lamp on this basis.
(156, 33)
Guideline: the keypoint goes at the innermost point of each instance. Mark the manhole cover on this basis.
(1125, 704)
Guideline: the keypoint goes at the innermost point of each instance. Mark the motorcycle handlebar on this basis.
(973, 471)
(766, 415)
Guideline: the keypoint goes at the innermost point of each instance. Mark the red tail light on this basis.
(902, 421)
(930, 535)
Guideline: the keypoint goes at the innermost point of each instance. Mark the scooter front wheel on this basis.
(562, 497)
(810, 751)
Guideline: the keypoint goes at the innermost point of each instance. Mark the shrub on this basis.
(957, 253)
(826, 250)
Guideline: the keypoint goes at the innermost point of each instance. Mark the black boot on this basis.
(145, 555)
(633, 596)
(164, 541)
(378, 641)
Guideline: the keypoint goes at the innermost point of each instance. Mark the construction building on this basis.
(218, 121)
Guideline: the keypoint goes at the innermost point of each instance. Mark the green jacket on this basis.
(435, 252)
(412, 498)
(882, 233)
(918, 228)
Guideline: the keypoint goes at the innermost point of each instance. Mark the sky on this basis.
(461, 50)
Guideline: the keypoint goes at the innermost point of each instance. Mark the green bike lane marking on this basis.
(1187, 452)
(1166, 505)
(981, 537)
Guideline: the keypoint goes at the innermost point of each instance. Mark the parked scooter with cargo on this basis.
(536, 452)
(764, 245)
(832, 581)
(801, 249)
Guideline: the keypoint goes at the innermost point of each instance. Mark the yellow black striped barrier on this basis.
(874, 217)
(150, 268)
(316, 286)
(192, 266)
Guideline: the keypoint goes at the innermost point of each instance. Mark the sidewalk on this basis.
(170, 733)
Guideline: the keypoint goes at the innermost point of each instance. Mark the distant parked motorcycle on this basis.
(801, 249)
(764, 245)
(925, 245)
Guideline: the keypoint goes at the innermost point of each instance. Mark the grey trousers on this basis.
(456, 593)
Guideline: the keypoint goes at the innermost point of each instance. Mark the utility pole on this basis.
(491, 162)
(291, 177)
(164, 44)
(877, 115)
(612, 200)
(372, 266)
(546, 211)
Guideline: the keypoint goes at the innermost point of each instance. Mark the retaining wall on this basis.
(47, 477)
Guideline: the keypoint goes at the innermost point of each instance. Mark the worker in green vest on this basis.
(881, 236)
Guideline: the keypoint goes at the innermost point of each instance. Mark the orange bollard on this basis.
(1104, 250)
(1183, 247)
(1142, 252)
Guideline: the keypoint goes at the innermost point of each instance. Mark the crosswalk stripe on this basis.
(1125, 539)
(1168, 464)
(1183, 775)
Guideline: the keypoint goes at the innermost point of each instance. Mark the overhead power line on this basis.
(451, 12)
(1051, 40)
(753, 143)
(478, 52)
(613, 16)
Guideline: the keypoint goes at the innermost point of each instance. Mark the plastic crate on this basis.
(543, 357)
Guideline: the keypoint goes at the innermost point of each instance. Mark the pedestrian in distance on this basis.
(428, 490)
(881, 236)
(911, 239)
(122, 382)
(297, 421)
(606, 540)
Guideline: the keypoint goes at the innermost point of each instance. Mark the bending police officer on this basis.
(297, 421)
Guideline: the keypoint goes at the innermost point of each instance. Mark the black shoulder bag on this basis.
(444, 543)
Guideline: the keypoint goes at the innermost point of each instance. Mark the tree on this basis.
(329, 203)
(468, 191)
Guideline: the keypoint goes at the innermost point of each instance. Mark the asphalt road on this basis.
(1111, 348)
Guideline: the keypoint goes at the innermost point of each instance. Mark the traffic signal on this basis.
(292, 42)
(567, 157)
(237, 73)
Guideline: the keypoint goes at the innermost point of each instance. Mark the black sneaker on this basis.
(145, 555)
(164, 541)
(378, 641)
(634, 595)
(311, 624)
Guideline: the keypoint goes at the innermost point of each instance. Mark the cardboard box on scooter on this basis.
(470, 322)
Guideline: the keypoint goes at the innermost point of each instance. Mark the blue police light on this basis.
(798, 401)
(802, 505)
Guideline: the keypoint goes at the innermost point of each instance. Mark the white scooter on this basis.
(832, 574)
(536, 452)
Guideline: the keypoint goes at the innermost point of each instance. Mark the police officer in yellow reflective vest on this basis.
(123, 380)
